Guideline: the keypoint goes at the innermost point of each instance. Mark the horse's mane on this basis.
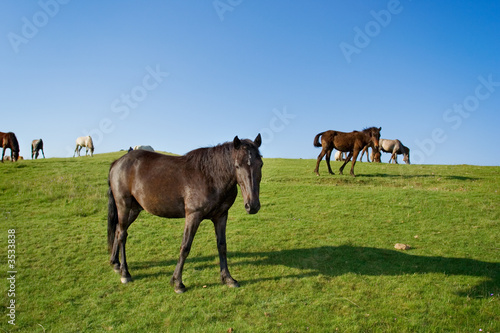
(15, 144)
(214, 162)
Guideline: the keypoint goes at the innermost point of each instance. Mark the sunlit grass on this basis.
(319, 256)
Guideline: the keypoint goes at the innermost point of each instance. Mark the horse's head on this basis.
(375, 136)
(248, 165)
(406, 155)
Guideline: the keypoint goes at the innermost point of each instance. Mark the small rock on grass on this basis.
(400, 246)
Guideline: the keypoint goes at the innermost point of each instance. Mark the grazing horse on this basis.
(395, 147)
(352, 143)
(84, 141)
(9, 140)
(199, 185)
(36, 146)
(149, 148)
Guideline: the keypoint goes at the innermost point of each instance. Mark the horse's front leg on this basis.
(192, 223)
(354, 158)
(76, 151)
(220, 232)
(341, 170)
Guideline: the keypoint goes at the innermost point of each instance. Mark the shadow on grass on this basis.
(387, 175)
(339, 260)
(335, 261)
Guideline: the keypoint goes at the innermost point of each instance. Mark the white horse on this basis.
(148, 148)
(395, 147)
(340, 156)
(84, 141)
(36, 146)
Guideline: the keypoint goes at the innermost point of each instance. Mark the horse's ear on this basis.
(237, 142)
(258, 140)
(379, 129)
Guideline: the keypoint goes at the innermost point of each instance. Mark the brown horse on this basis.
(365, 150)
(351, 142)
(9, 140)
(199, 185)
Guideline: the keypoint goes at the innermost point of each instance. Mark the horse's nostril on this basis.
(247, 206)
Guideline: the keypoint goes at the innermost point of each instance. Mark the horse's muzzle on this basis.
(252, 208)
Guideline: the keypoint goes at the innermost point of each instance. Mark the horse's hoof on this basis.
(116, 268)
(125, 280)
(233, 284)
(180, 289)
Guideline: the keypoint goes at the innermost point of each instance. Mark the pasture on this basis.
(319, 256)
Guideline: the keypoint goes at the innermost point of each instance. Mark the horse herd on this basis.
(353, 143)
(201, 184)
(9, 140)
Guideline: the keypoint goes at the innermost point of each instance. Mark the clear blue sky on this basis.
(179, 75)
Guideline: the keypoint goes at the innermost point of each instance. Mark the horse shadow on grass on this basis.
(339, 260)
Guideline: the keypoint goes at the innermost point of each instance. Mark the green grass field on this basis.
(318, 257)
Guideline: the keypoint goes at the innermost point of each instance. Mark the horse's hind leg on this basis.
(220, 232)
(126, 216)
(320, 157)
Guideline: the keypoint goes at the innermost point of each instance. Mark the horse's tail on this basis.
(112, 218)
(316, 142)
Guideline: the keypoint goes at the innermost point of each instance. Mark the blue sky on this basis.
(179, 75)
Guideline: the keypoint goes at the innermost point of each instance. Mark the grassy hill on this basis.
(319, 256)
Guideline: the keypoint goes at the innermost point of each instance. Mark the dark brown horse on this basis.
(199, 185)
(352, 142)
(9, 140)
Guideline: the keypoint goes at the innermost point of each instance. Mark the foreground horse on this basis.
(84, 141)
(36, 146)
(199, 185)
(395, 148)
(351, 142)
(9, 140)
